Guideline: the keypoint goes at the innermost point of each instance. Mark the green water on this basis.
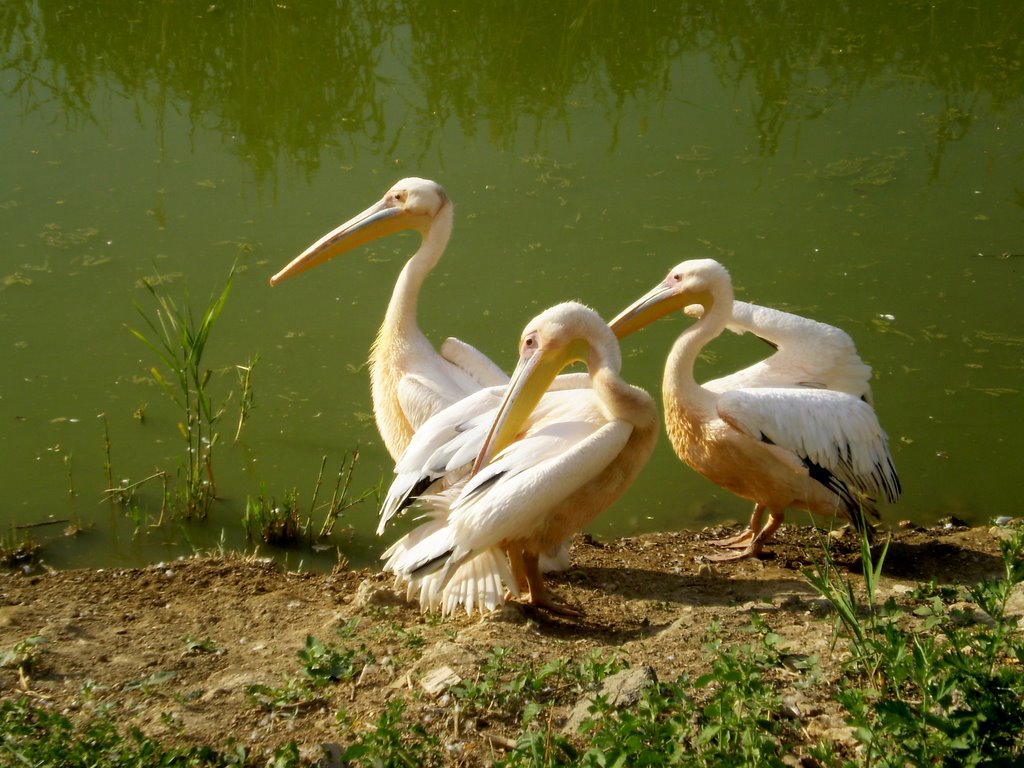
(857, 162)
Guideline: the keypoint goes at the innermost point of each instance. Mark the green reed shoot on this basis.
(179, 342)
(108, 464)
(340, 500)
(247, 399)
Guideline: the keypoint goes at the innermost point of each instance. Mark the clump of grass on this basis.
(282, 524)
(179, 342)
(935, 689)
(276, 524)
(17, 549)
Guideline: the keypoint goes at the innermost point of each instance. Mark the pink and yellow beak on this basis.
(379, 220)
(664, 299)
(536, 369)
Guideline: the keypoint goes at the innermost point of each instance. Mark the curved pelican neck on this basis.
(400, 317)
(619, 399)
(679, 385)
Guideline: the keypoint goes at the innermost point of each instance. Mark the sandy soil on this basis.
(174, 648)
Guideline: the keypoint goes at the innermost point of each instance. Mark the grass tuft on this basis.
(937, 686)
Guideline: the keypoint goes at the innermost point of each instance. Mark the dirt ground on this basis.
(173, 648)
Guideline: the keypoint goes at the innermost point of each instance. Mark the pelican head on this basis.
(558, 337)
(412, 203)
(694, 282)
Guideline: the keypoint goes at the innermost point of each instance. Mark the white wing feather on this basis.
(441, 449)
(808, 354)
(475, 363)
(836, 431)
(434, 560)
(521, 484)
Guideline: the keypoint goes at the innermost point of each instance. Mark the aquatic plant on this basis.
(274, 523)
(179, 342)
(247, 399)
(17, 549)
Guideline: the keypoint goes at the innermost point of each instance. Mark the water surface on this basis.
(855, 162)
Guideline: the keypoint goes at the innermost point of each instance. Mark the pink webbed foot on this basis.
(739, 541)
(751, 550)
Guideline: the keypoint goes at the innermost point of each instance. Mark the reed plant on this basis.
(179, 341)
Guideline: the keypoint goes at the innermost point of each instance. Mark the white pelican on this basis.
(547, 465)
(409, 379)
(791, 446)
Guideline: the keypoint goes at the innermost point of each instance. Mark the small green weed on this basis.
(247, 400)
(326, 663)
(322, 665)
(340, 500)
(276, 524)
(194, 646)
(37, 736)
(393, 741)
(17, 549)
(24, 656)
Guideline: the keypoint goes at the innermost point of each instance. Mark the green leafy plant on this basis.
(322, 665)
(325, 663)
(38, 736)
(393, 741)
(206, 645)
(939, 686)
(731, 715)
(24, 655)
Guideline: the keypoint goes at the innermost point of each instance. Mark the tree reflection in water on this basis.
(292, 80)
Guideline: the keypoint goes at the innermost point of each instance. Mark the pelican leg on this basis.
(515, 561)
(743, 539)
(757, 543)
(540, 596)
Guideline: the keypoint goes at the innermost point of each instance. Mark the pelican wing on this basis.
(432, 389)
(836, 435)
(444, 447)
(530, 476)
(454, 557)
(474, 362)
(445, 444)
(809, 354)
